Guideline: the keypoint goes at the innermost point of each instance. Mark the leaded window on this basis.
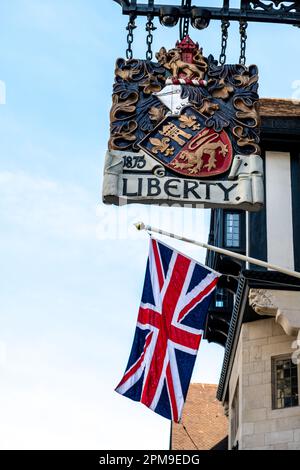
(285, 383)
(221, 298)
(232, 230)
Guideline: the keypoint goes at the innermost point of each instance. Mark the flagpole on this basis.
(141, 226)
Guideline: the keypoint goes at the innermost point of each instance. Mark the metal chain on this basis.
(130, 28)
(149, 40)
(225, 25)
(184, 24)
(243, 33)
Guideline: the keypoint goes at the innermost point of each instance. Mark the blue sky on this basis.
(71, 269)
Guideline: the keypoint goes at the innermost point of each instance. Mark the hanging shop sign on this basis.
(184, 130)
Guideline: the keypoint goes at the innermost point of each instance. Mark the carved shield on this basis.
(186, 146)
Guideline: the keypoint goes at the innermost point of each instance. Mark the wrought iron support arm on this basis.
(261, 11)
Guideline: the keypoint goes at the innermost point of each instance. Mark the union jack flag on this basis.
(176, 296)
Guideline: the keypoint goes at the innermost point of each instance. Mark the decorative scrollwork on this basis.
(245, 142)
(244, 112)
(157, 114)
(274, 5)
(132, 112)
(159, 171)
(228, 102)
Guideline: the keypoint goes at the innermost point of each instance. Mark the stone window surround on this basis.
(274, 359)
(265, 302)
(284, 306)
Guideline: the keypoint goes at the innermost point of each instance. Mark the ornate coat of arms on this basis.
(184, 129)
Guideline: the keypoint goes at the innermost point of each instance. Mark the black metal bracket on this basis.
(262, 11)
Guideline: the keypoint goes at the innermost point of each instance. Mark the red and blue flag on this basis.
(172, 315)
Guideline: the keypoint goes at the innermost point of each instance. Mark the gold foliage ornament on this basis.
(162, 145)
(185, 116)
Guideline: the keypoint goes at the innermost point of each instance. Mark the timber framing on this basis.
(243, 313)
(280, 131)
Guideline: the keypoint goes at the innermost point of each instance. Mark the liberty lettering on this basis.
(153, 187)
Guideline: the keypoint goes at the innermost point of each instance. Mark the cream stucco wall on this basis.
(260, 427)
(279, 201)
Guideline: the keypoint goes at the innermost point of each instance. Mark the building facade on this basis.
(255, 314)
